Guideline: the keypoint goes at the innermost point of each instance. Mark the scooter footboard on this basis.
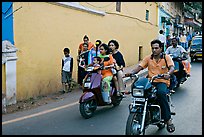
(86, 96)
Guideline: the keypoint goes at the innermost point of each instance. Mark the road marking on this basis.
(39, 113)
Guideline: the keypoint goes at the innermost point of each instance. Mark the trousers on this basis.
(163, 101)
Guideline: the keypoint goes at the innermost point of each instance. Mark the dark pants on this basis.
(163, 101)
(81, 75)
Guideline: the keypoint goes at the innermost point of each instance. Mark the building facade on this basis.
(43, 29)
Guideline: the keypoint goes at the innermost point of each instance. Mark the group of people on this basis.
(90, 54)
(183, 39)
(176, 46)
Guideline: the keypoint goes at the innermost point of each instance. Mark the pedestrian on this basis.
(66, 71)
(162, 38)
(183, 41)
(157, 65)
(168, 41)
(188, 38)
(119, 65)
(85, 40)
(83, 62)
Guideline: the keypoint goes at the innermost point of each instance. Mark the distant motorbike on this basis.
(144, 109)
(179, 63)
(92, 94)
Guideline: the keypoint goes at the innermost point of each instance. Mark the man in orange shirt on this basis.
(156, 65)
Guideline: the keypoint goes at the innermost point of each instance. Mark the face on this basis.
(86, 40)
(95, 61)
(102, 50)
(174, 42)
(85, 47)
(156, 50)
(66, 53)
(112, 46)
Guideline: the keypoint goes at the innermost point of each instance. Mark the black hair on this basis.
(86, 37)
(98, 59)
(161, 31)
(85, 43)
(99, 41)
(114, 42)
(156, 41)
(106, 48)
(66, 50)
(174, 38)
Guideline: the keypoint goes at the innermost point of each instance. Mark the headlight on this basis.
(88, 79)
(192, 49)
(138, 92)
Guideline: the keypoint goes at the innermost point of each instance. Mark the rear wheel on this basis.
(116, 100)
(133, 124)
(87, 108)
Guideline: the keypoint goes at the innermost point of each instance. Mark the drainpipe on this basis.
(9, 60)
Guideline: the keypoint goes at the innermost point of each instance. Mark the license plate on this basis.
(140, 99)
(199, 55)
(87, 85)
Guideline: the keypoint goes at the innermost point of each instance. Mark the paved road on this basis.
(63, 117)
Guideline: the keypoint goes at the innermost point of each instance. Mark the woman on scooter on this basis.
(107, 75)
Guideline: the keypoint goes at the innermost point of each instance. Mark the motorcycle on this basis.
(144, 109)
(92, 96)
(180, 68)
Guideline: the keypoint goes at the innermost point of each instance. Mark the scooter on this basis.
(92, 96)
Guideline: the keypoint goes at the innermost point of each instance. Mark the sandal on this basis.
(170, 128)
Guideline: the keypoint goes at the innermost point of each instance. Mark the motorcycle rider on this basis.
(156, 65)
(107, 74)
(177, 51)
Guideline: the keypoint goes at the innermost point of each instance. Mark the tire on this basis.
(87, 108)
(161, 125)
(116, 101)
(133, 124)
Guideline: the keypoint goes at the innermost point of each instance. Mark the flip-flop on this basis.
(170, 128)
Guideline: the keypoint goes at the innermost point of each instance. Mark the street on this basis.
(63, 117)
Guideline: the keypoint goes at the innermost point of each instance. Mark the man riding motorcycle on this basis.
(177, 51)
(156, 65)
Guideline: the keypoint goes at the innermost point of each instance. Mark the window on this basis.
(140, 53)
(118, 6)
(147, 15)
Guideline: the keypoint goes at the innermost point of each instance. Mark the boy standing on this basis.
(67, 67)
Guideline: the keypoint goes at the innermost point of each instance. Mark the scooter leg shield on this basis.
(86, 96)
(105, 96)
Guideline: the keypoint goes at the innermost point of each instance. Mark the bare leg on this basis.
(120, 80)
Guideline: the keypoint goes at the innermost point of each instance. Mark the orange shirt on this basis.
(107, 72)
(81, 47)
(155, 68)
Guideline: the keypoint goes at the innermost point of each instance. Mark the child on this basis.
(66, 72)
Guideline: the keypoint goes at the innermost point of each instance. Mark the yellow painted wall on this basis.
(42, 30)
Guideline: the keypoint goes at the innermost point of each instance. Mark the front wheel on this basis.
(133, 124)
(87, 108)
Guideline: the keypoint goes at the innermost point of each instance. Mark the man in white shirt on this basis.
(162, 38)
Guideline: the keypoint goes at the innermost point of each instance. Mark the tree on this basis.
(193, 7)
